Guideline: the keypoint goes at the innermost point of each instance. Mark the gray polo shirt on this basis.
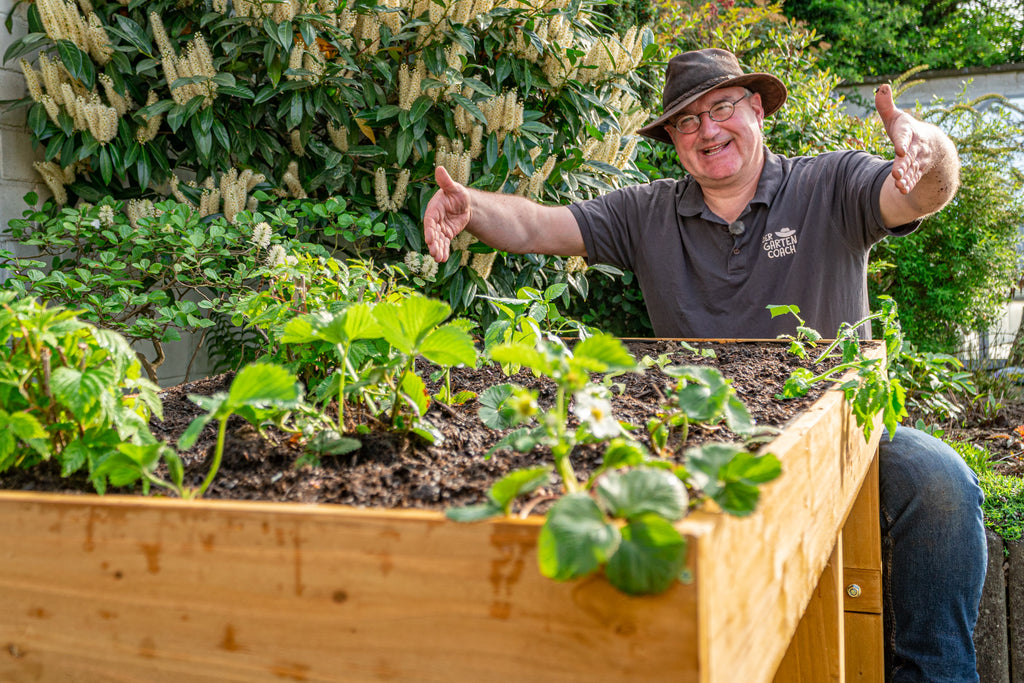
(805, 240)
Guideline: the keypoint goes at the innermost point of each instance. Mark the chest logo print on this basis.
(779, 243)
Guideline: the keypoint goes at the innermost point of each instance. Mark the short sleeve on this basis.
(612, 224)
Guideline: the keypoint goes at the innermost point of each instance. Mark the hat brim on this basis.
(771, 89)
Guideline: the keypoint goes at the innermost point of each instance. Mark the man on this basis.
(747, 228)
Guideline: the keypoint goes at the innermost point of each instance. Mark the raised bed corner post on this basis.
(840, 637)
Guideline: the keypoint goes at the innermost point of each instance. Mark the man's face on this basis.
(722, 153)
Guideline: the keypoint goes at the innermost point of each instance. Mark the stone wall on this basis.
(999, 635)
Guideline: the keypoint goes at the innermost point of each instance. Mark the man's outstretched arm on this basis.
(926, 170)
(505, 222)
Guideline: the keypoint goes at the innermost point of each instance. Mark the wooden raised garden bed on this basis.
(121, 588)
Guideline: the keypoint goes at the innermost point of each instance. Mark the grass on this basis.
(1004, 495)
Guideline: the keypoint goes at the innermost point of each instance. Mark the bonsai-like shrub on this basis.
(150, 271)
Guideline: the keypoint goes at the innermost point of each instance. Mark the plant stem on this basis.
(563, 448)
(398, 390)
(341, 391)
(837, 340)
(217, 455)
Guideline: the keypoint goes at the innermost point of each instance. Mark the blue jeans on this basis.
(934, 556)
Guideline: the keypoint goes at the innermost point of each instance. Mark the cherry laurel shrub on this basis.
(323, 98)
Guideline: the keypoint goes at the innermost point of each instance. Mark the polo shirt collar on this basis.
(691, 200)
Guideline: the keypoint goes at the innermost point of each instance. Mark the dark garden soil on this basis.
(403, 471)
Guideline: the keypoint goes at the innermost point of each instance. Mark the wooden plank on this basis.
(864, 662)
(862, 579)
(863, 590)
(163, 590)
(862, 534)
(776, 556)
(110, 589)
(816, 652)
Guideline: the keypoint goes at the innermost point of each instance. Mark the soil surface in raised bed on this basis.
(402, 470)
(399, 470)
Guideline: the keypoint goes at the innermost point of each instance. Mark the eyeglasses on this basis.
(718, 113)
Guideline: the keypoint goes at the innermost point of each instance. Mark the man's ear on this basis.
(758, 107)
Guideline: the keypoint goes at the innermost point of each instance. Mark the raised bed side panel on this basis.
(119, 589)
(769, 564)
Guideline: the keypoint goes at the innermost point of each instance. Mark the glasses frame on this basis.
(696, 117)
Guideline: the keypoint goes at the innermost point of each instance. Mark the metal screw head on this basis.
(853, 590)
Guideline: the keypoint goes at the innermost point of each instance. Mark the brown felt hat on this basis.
(693, 74)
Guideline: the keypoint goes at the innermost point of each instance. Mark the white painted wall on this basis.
(17, 177)
(1006, 80)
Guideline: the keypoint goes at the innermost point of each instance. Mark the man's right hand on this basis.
(447, 214)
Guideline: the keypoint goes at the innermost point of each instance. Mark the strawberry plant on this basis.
(69, 391)
(701, 394)
(412, 327)
(259, 393)
(620, 519)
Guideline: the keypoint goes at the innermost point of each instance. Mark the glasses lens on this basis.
(687, 124)
(721, 111)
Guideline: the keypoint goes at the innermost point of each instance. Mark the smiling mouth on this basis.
(710, 151)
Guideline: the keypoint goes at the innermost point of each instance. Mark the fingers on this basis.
(443, 180)
(892, 119)
(906, 169)
(436, 212)
(437, 242)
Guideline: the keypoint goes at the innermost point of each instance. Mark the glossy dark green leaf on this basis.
(106, 166)
(133, 33)
(77, 63)
(25, 45)
(404, 146)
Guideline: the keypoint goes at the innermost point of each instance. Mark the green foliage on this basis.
(69, 391)
(359, 100)
(614, 303)
(874, 390)
(645, 555)
(1004, 504)
(701, 394)
(529, 316)
(570, 371)
(936, 384)
(147, 277)
(260, 393)
(299, 284)
(730, 475)
(412, 327)
(621, 519)
(871, 38)
(1003, 507)
(372, 348)
(955, 273)
(976, 457)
